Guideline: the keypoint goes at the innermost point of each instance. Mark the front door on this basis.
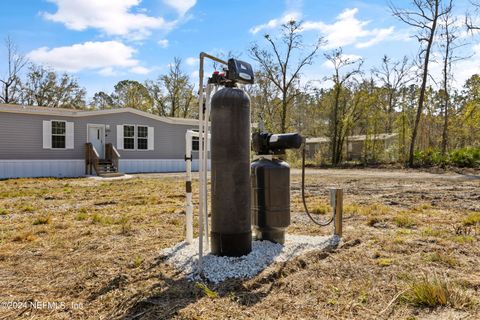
(96, 136)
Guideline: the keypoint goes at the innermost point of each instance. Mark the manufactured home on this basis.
(55, 142)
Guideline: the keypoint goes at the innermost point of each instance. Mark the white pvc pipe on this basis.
(205, 161)
(188, 184)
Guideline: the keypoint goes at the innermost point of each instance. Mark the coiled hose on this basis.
(321, 224)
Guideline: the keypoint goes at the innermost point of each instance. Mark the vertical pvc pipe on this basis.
(205, 161)
(188, 188)
(200, 162)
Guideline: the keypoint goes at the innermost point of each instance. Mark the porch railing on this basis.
(112, 155)
(92, 159)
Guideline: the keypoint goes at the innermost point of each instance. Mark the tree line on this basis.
(429, 115)
(171, 94)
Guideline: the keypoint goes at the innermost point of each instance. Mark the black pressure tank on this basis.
(270, 199)
(231, 233)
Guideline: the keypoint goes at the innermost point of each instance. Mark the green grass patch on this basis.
(442, 258)
(404, 221)
(434, 292)
(42, 220)
(429, 232)
(384, 262)
(137, 262)
(27, 208)
(463, 239)
(3, 212)
(81, 216)
(473, 219)
(206, 290)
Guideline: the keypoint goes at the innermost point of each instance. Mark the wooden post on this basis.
(338, 212)
(336, 201)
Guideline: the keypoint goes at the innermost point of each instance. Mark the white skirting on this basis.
(76, 168)
(41, 168)
(155, 165)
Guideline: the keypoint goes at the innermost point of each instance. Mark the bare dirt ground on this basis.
(89, 249)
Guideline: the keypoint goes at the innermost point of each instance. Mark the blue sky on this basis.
(103, 41)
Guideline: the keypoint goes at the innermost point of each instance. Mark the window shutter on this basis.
(47, 135)
(69, 135)
(151, 136)
(120, 137)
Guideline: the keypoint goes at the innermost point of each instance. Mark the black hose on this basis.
(321, 224)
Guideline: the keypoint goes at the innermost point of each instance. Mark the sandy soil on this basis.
(90, 248)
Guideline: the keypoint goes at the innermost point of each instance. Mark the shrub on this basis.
(466, 157)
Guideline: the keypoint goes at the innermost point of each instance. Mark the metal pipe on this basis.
(202, 175)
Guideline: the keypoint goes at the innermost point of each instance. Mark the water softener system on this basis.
(270, 180)
(243, 194)
(230, 157)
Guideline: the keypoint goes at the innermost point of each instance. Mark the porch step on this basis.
(111, 174)
(107, 169)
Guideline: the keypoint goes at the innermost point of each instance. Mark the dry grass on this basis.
(97, 246)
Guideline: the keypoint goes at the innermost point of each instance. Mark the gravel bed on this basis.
(216, 269)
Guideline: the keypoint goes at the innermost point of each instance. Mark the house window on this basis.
(129, 137)
(195, 144)
(142, 138)
(58, 134)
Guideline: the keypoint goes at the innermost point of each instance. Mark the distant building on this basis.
(55, 142)
(354, 147)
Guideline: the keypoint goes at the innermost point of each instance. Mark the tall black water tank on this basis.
(231, 233)
(270, 199)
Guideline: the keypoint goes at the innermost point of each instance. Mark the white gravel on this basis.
(217, 269)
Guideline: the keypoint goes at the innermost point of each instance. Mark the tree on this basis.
(102, 100)
(172, 93)
(179, 91)
(339, 104)
(46, 88)
(264, 102)
(132, 94)
(469, 21)
(448, 37)
(393, 75)
(276, 63)
(424, 16)
(11, 83)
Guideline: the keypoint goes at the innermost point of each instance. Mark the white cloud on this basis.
(350, 57)
(106, 57)
(113, 17)
(274, 23)
(348, 30)
(107, 72)
(181, 6)
(140, 70)
(191, 61)
(163, 43)
(345, 30)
